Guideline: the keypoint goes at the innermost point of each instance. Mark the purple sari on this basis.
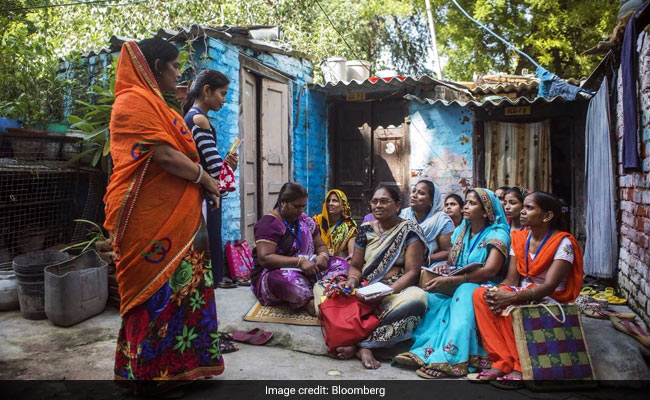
(288, 286)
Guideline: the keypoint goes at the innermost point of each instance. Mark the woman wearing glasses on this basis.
(389, 250)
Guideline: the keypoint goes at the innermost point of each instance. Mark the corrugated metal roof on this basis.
(243, 36)
(505, 88)
(375, 84)
(488, 102)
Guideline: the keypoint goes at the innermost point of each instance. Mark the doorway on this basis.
(264, 125)
(371, 146)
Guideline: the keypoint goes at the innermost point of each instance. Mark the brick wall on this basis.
(634, 197)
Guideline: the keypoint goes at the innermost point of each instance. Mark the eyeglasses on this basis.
(383, 202)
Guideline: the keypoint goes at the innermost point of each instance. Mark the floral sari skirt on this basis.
(173, 335)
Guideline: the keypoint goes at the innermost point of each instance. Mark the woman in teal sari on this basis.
(446, 341)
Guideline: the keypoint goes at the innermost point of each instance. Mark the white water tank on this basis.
(357, 70)
(333, 69)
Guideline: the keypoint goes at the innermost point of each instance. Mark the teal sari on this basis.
(446, 339)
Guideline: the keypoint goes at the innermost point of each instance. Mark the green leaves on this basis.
(184, 341)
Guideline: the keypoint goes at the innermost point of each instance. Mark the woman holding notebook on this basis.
(390, 250)
(446, 342)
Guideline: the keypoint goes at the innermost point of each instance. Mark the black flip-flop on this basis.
(227, 283)
(240, 281)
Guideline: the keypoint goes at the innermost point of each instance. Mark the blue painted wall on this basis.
(308, 128)
(441, 144)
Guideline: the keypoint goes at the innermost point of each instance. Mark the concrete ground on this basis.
(40, 350)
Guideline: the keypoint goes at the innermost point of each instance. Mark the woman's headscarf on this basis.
(435, 220)
(336, 233)
(466, 250)
(152, 215)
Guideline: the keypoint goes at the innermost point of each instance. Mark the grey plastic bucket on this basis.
(76, 290)
(37, 260)
(8, 288)
(29, 270)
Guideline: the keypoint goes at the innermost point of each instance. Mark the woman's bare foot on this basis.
(368, 359)
(515, 376)
(310, 308)
(430, 373)
(345, 353)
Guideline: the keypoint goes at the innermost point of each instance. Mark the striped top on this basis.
(206, 144)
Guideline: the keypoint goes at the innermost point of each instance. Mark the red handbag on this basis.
(239, 258)
(346, 320)
(227, 179)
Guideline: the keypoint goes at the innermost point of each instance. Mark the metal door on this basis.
(248, 157)
(274, 140)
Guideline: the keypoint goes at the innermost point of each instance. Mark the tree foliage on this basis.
(388, 33)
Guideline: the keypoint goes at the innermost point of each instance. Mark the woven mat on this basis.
(279, 314)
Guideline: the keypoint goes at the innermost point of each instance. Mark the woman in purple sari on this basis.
(290, 255)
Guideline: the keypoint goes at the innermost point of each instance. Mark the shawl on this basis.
(336, 235)
(434, 221)
(464, 249)
(383, 251)
(151, 215)
(544, 259)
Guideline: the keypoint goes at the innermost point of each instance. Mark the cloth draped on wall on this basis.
(629, 69)
(601, 245)
(518, 155)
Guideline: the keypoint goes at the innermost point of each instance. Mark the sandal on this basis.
(588, 291)
(631, 328)
(508, 382)
(424, 375)
(241, 281)
(486, 373)
(606, 314)
(227, 346)
(227, 283)
(260, 338)
(405, 361)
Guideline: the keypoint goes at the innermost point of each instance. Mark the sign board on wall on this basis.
(521, 110)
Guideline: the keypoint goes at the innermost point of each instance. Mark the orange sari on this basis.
(496, 330)
(544, 259)
(152, 215)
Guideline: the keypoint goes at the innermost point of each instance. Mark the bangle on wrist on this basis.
(324, 254)
(532, 293)
(198, 178)
(465, 277)
(300, 258)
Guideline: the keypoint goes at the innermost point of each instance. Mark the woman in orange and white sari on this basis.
(153, 213)
(545, 265)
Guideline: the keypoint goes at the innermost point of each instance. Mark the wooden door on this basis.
(353, 148)
(391, 159)
(248, 157)
(391, 146)
(274, 141)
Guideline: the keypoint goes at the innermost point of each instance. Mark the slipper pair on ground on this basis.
(421, 371)
(255, 336)
(227, 283)
(608, 294)
(499, 380)
(632, 328)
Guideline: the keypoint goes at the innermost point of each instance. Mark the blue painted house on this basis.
(269, 106)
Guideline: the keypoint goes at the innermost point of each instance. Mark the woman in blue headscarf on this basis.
(446, 341)
(427, 210)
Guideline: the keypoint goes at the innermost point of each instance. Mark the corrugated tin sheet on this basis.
(243, 36)
(374, 84)
(489, 102)
(505, 88)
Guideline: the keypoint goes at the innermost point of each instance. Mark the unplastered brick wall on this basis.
(634, 196)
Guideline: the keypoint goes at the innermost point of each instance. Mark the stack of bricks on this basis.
(634, 197)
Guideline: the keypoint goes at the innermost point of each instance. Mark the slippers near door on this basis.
(631, 328)
(606, 314)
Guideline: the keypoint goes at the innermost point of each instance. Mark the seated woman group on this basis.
(446, 319)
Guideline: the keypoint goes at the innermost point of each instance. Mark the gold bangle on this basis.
(465, 276)
(299, 261)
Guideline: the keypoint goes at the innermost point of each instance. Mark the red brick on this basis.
(643, 211)
(639, 225)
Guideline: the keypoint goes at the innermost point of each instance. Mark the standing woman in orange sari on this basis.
(153, 213)
(545, 266)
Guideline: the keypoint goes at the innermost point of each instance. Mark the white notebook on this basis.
(377, 289)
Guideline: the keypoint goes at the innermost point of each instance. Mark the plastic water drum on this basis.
(76, 290)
